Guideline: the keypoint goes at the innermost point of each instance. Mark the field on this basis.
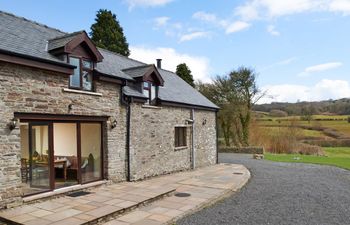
(339, 157)
(338, 123)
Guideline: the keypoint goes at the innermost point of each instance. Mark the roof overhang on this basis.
(153, 71)
(76, 39)
(145, 73)
(36, 62)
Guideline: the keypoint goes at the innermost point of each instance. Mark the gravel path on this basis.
(282, 193)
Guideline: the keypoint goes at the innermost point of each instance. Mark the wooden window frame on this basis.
(50, 124)
(149, 88)
(82, 69)
(180, 141)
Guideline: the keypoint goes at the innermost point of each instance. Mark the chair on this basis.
(24, 170)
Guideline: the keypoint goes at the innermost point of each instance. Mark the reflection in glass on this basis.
(35, 163)
(90, 152)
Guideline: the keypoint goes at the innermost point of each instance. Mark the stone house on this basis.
(74, 115)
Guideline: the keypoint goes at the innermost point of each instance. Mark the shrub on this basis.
(307, 149)
(278, 113)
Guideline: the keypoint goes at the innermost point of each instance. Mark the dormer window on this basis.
(149, 90)
(82, 77)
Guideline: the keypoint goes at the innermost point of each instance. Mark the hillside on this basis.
(329, 107)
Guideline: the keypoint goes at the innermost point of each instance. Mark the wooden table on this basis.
(57, 163)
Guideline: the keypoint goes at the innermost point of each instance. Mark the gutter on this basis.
(187, 105)
(37, 59)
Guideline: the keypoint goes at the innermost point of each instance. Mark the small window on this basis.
(149, 90)
(180, 136)
(82, 77)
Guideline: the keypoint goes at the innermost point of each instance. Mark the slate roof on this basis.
(26, 37)
(137, 71)
(19, 35)
(61, 41)
(129, 91)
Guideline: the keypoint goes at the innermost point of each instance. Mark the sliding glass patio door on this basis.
(56, 154)
(38, 163)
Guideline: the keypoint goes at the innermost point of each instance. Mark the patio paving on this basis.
(125, 203)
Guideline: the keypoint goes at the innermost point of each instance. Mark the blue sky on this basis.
(299, 48)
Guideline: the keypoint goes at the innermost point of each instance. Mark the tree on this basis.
(184, 72)
(235, 94)
(107, 33)
(247, 92)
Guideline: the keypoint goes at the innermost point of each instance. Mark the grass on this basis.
(340, 125)
(339, 157)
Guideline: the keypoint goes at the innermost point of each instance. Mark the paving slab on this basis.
(102, 202)
(125, 203)
(205, 186)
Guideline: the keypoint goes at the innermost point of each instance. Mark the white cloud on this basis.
(257, 9)
(227, 24)
(161, 21)
(204, 16)
(319, 68)
(194, 35)
(146, 3)
(323, 90)
(340, 6)
(272, 30)
(323, 67)
(171, 58)
(237, 26)
(279, 63)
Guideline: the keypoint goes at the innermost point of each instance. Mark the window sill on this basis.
(181, 148)
(151, 107)
(81, 92)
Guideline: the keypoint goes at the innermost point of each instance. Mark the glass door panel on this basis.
(38, 164)
(91, 160)
(65, 154)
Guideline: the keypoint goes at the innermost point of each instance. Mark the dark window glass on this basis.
(149, 90)
(82, 77)
(75, 78)
(180, 136)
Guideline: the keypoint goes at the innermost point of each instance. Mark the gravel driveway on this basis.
(282, 193)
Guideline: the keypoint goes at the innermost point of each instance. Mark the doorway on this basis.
(58, 154)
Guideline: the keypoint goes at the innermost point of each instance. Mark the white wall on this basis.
(65, 139)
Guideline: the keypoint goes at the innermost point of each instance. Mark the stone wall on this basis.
(152, 143)
(23, 89)
(205, 138)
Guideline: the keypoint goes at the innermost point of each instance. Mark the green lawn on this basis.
(339, 157)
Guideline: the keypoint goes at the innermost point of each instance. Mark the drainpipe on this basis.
(217, 137)
(128, 115)
(127, 101)
(193, 154)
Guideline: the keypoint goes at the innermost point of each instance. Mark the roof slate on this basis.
(60, 42)
(23, 36)
(137, 71)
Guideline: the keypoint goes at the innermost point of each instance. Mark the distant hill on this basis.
(331, 107)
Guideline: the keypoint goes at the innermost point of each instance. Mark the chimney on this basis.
(159, 63)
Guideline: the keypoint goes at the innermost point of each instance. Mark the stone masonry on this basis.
(152, 144)
(23, 89)
(152, 132)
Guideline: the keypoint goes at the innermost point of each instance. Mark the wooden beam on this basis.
(58, 117)
(36, 64)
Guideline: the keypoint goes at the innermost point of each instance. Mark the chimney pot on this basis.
(159, 63)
